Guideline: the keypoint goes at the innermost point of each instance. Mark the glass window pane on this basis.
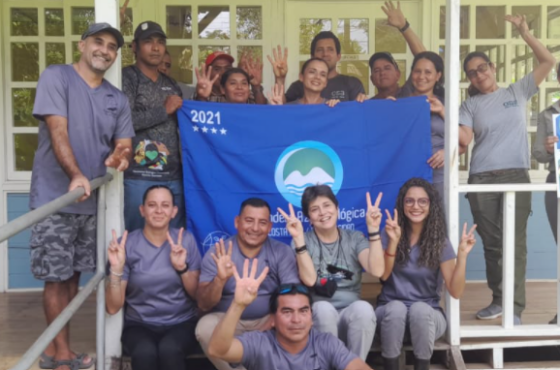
(533, 110)
(24, 22)
(127, 23)
(359, 69)
(464, 22)
(553, 24)
(497, 55)
(25, 61)
(205, 50)
(254, 52)
(25, 146)
(533, 14)
(552, 96)
(82, 18)
(463, 52)
(522, 62)
(56, 53)
(249, 23)
(127, 56)
(554, 74)
(404, 71)
(213, 22)
(22, 107)
(308, 28)
(354, 35)
(490, 22)
(179, 22)
(388, 38)
(54, 22)
(181, 63)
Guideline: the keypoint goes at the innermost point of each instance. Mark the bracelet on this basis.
(181, 272)
(375, 239)
(405, 27)
(389, 254)
(373, 234)
(114, 273)
(301, 249)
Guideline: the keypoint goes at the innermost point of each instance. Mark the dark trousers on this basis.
(551, 205)
(487, 209)
(159, 347)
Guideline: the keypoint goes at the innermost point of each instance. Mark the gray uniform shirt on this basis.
(544, 129)
(96, 117)
(342, 87)
(342, 253)
(323, 352)
(155, 293)
(156, 147)
(498, 120)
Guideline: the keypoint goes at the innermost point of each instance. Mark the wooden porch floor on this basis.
(22, 320)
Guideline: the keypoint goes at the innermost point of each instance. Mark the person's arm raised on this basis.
(454, 271)
(115, 287)
(371, 259)
(393, 231)
(395, 18)
(210, 293)
(223, 344)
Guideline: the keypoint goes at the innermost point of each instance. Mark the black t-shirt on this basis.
(341, 87)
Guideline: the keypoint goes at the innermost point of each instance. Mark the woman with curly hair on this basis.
(418, 258)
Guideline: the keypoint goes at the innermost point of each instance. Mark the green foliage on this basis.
(249, 23)
(22, 107)
(24, 22)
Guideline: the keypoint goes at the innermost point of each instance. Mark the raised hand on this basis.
(395, 16)
(279, 62)
(276, 95)
(293, 225)
(178, 252)
(392, 227)
(437, 159)
(467, 240)
(119, 158)
(520, 22)
(223, 260)
(203, 82)
(116, 253)
(253, 67)
(373, 218)
(247, 287)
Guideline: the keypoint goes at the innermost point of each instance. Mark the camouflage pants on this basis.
(62, 244)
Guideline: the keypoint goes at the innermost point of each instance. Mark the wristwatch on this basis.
(405, 27)
(181, 272)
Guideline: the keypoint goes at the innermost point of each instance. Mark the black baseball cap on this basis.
(147, 29)
(383, 55)
(104, 27)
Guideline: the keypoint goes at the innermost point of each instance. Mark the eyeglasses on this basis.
(288, 288)
(422, 202)
(480, 69)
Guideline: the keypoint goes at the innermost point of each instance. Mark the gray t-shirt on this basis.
(342, 87)
(188, 91)
(411, 283)
(155, 293)
(342, 253)
(544, 129)
(156, 147)
(498, 120)
(281, 261)
(96, 117)
(323, 352)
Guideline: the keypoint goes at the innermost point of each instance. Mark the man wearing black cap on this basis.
(84, 127)
(154, 100)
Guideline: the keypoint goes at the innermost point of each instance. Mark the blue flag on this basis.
(232, 152)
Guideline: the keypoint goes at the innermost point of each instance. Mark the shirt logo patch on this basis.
(511, 104)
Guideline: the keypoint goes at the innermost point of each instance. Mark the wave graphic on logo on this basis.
(296, 182)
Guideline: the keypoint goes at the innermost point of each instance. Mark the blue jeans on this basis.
(134, 192)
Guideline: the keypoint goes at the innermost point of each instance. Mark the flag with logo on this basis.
(232, 152)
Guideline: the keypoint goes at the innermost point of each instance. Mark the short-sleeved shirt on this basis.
(156, 146)
(298, 102)
(281, 261)
(341, 87)
(323, 351)
(96, 117)
(155, 293)
(411, 283)
(498, 120)
(342, 253)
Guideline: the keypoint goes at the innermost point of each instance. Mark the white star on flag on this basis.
(205, 129)
(195, 128)
(223, 131)
(214, 130)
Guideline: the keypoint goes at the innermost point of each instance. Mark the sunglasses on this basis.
(480, 69)
(289, 288)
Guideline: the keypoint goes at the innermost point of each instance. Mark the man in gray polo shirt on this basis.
(84, 127)
(216, 286)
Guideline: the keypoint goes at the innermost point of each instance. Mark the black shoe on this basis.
(421, 364)
(391, 363)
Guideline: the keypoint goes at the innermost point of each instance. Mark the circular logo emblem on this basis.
(304, 164)
(213, 238)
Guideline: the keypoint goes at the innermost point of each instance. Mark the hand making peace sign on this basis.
(117, 253)
(178, 252)
(392, 227)
(293, 225)
(467, 240)
(373, 218)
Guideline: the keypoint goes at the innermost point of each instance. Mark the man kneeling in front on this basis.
(291, 344)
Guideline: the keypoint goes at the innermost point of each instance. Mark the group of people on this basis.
(252, 300)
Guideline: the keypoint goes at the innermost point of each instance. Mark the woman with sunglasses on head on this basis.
(331, 260)
(496, 118)
(543, 151)
(418, 258)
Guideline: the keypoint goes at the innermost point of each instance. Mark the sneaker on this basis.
(491, 312)
(516, 320)
(554, 321)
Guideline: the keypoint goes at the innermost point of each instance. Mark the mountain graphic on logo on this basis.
(307, 167)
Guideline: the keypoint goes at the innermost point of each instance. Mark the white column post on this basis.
(108, 11)
(508, 259)
(451, 186)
